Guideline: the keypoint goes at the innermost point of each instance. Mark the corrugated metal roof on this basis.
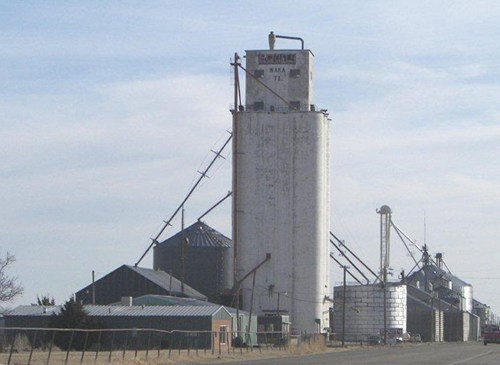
(124, 311)
(199, 235)
(152, 299)
(162, 279)
(421, 296)
(34, 310)
(478, 304)
(432, 272)
(152, 311)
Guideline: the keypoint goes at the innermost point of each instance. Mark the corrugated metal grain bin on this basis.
(201, 256)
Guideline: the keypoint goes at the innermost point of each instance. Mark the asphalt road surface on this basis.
(467, 353)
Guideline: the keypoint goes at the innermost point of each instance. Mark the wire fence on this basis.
(52, 346)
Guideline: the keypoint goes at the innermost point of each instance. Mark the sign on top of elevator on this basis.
(279, 80)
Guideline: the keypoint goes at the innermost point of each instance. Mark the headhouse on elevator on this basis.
(281, 189)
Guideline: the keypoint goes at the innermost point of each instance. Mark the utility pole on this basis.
(433, 319)
(440, 335)
(236, 282)
(385, 249)
(93, 287)
(184, 246)
(384, 288)
(344, 290)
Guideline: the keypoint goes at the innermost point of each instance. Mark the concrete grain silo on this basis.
(281, 189)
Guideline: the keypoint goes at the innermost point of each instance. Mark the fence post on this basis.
(69, 347)
(170, 344)
(147, 345)
(12, 346)
(32, 347)
(136, 344)
(84, 346)
(125, 345)
(50, 346)
(111, 345)
(160, 336)
(212, 342)
(98, 346)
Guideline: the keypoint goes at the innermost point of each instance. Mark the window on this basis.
(295, 73)
(222, 334)
(295, 105)
(258, 105)
(258, 73)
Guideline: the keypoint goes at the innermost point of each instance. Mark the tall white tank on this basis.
(281, 198)
(467, 296)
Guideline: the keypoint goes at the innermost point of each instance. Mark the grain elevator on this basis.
(281, 209)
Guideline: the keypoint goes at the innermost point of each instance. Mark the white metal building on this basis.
(281, 190)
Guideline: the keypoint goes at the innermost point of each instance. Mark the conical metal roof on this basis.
(199, 235)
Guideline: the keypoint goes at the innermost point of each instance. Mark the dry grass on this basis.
(58, 357)
(21, 342)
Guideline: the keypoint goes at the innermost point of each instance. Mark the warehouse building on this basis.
(450, 298)
(131, 281)
(247, 326)
(189, 326)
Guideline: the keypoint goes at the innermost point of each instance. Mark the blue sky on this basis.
(109, 109)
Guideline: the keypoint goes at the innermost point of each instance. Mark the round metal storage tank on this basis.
(364, 310)
(467, 298)
(465, 291)
(204, 263)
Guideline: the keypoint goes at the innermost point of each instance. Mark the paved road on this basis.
(425, 354)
